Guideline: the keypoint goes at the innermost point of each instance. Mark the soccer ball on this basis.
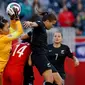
(13, 4)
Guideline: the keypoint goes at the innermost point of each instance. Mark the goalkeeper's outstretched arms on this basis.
(15, 25)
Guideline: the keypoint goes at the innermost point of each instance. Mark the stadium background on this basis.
(71, 22)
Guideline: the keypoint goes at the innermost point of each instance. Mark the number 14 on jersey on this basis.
(19, 51)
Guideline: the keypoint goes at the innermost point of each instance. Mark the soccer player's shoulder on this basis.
(50, 45)
(39, 22)
(26, 43)
(22, 44)
(64, 46)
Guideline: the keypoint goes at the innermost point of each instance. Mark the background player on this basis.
(6, 36)
(39, 47)
(57, 52)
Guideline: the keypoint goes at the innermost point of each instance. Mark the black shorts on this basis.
(42, 63)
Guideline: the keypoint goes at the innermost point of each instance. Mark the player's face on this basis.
(49, 24)
(5, 29)
(57, 38)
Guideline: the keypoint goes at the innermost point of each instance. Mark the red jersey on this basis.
(13, 72)
(19, 56)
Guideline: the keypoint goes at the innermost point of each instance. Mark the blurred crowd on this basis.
(69, 13)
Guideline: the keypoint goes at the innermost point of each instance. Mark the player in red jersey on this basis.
(13, 73)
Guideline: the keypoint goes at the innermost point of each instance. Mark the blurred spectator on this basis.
(79, 7)
(54, 6)
(1, 1)
(66, 17)
(60, 2)
(74, 7)
(44, 3)
(10, 1)
(36, 6)
(26, 10)
(30, 2)
(81, 13)
(67, 11)
(78, 26)
(83, 22)
(83, 3)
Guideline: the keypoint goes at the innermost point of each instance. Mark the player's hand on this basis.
(27, 24)
(16, 16)
(11, 13)
(76, 62)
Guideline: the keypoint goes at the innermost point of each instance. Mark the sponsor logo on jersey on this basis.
(50, 50)
(38, 21)
(48, 65)
(62, 51)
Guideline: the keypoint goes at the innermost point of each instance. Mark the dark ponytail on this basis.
(47, 16)
(2, 22)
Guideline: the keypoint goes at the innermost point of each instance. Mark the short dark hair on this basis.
(48, 16)
(2, 22)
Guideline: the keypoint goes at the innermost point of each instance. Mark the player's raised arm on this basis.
(15, 33)
(12, 26)
(30, 24)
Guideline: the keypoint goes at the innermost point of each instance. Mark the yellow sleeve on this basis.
(12, 26)
(13, 35)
